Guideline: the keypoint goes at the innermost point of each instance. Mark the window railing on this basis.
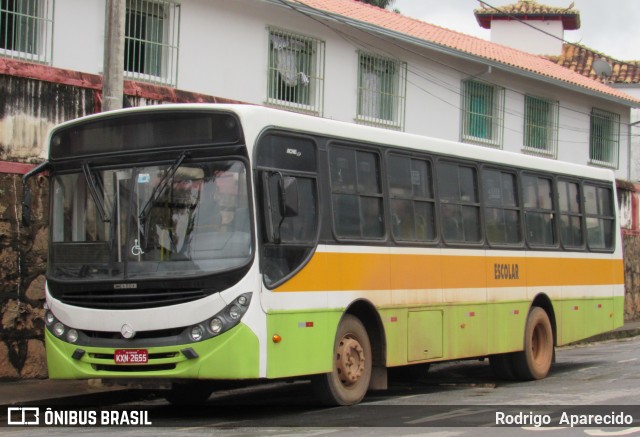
(151, 43)
(604, 139)
(382, 87)
(541, 127)
(295, 72)
(26, 29)
(483, 113)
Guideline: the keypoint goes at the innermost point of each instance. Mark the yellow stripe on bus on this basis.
(374, 271)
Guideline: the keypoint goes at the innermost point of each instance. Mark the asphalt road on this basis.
(460, 398)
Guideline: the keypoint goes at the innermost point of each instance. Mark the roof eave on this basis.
(450, 51)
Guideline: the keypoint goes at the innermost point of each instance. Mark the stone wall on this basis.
(631, 276)
(23, 257)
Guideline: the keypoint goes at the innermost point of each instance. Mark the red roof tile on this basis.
(530, 10)
(580, 59)
(411, 27)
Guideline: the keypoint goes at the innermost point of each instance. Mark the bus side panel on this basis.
(506, 326)
(306, 342)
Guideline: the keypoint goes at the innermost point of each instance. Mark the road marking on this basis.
(629, 360)
(588, 368)
(451, 414)
(599, 432)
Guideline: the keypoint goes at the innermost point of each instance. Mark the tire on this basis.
(501, 366)
(352, 364)
(188, 393)
(534, 362)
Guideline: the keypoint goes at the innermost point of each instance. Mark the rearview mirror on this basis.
(288, 193)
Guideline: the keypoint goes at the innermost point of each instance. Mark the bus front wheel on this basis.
(534, 362)
(348, 382)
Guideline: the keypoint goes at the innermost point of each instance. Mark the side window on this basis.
(288, 203)
(412, 200)
(502, 207)
(539, 210)
(356, 193)
(600, 217)
(459, 203)
(570, 204)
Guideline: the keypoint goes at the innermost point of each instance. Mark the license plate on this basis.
(131, 356)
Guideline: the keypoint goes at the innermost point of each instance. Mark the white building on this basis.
(339, 59)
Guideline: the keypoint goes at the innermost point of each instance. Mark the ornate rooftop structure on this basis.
(528, 10)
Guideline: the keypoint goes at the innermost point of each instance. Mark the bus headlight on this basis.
(58, 329)
(197, 333)
(72, 335)
(235, 312)
(215, 325)
(223, 321)
(49, 318)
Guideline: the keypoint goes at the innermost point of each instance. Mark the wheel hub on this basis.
(350, 360)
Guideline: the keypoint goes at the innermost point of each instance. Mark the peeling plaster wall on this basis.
(29, 108)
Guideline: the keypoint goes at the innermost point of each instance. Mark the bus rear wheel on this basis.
(534, 362)
(348, 382)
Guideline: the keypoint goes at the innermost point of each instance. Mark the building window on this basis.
(382, 86)
(151, 41)
(541, 126)
(26, 29)
(296, 72)
(483, 113)
(604, 139)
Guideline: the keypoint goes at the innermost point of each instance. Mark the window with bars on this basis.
(381, 91)
(604, 138)
(483, 113)
(151, 41)
(295, 72)
(26, 29)
(541, 126)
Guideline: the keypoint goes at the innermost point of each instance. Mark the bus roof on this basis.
(255, 119)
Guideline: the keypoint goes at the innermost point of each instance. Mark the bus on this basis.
(200, 243)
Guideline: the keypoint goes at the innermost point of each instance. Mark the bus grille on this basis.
(130, 299)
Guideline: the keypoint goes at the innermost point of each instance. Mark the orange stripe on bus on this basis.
(366, 271)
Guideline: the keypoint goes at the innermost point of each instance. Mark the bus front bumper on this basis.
(232, 355)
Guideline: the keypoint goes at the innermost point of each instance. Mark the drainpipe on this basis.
(113, 70)
(631, 126)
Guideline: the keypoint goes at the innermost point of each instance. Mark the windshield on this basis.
(174, 219)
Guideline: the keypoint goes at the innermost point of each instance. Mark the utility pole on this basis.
(113, 70)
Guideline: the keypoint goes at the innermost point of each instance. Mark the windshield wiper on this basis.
(94, 185)
(162, 185)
